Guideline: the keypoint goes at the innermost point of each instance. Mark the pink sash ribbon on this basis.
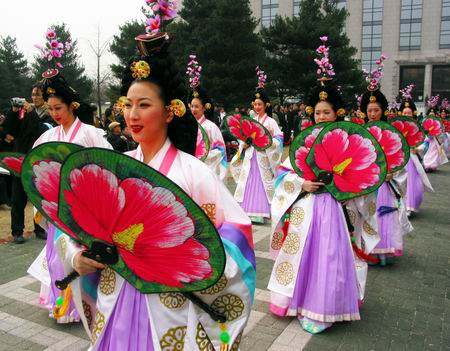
(74, 132)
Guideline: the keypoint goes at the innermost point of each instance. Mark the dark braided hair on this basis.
(182, 131)
(332, 96)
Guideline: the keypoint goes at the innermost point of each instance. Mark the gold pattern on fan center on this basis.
(297, 215)
(107, 281)
(284, 273)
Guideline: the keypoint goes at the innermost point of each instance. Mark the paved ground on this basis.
(407, 305)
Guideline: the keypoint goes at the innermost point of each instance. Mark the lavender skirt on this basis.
(391, 239)
(432, 159)
(128, 326)
(414, 187)
(56, 270)
(255, 199)
(326, 289)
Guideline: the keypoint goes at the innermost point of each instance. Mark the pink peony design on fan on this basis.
(446, 125)
(432, 126)
(234, 125)
(305, 124)
(302, 153)
(350, 159)
(144, 242)
(200, 149)
(357, 120)
(410, 131)
(14, 163)
(391, 145)
(255, 133)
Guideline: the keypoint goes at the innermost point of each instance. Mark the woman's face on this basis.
(145, 113)
(259, 106)
(443, 114)
(323, 112)
(61, 113)
(407, 112)
(197, 108)
(374, 111)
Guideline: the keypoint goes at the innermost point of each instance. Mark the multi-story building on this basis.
(414, 34)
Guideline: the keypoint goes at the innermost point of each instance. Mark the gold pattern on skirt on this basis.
(99, 324)
(264, 162)
(352, 216)
(276, 157)
(210, 210)
(63, 244)
(372, 208)
(107, 281)
(368, 229)
(267, 175)
(172, 300)
(280, 201)
(276, 241)
(236, 343)
(216, 288)
(289, 187)
(292, 244)
(284, 273)
(45, 263)
(230, 305)
(202, 340)
(87, 312)
(173, 339)
(297, 215)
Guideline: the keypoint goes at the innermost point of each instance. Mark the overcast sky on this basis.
(28, 20)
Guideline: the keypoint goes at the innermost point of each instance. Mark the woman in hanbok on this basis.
(314, 277)
(417, 180)
(433, 151)
(202, 109)
(121, 317)
(72, 117)
(392, 219)
(255, 172)
(445, 137)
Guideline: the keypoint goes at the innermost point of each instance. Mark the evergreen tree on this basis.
(292, 42)
(222, 35)
(123, 46)
(73, 70)
(15, 80)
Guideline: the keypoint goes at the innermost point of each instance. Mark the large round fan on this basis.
(348, 159)
(203, 144)
(410, 129)
(446, 124)
(40, 178)
(433, 126)
(299, 150)
(165, 241)
(12, 162)
(392, 142)
(250, 131)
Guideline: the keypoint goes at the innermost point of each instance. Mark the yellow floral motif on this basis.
(368, 229)
(99, 324)
(140, 69)
(173, 339)
(276, 241)
(63, 245)
(216, 288)
(289, 187)
(178, 107)
(210, 210)
(51, 91)
(45, 263)
(372, 208)
(323, 95)
(284, 273)
(128, 237)
(172, 300)
(87, 312)
(107, 281)
(352, 216)
(202, 340)
(230, 305)
(292, 244)
(297, 216)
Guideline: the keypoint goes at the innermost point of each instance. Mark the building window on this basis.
(269, 11)
(296, 7)
(444, 40)
(440, 83)
(341, 4)
(372, 32)
(413, 75)
(410, 24)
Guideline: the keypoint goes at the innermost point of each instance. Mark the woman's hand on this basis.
(310, 186)
(389, 177)
(84, 265)
(414, 150)
(245, 146)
